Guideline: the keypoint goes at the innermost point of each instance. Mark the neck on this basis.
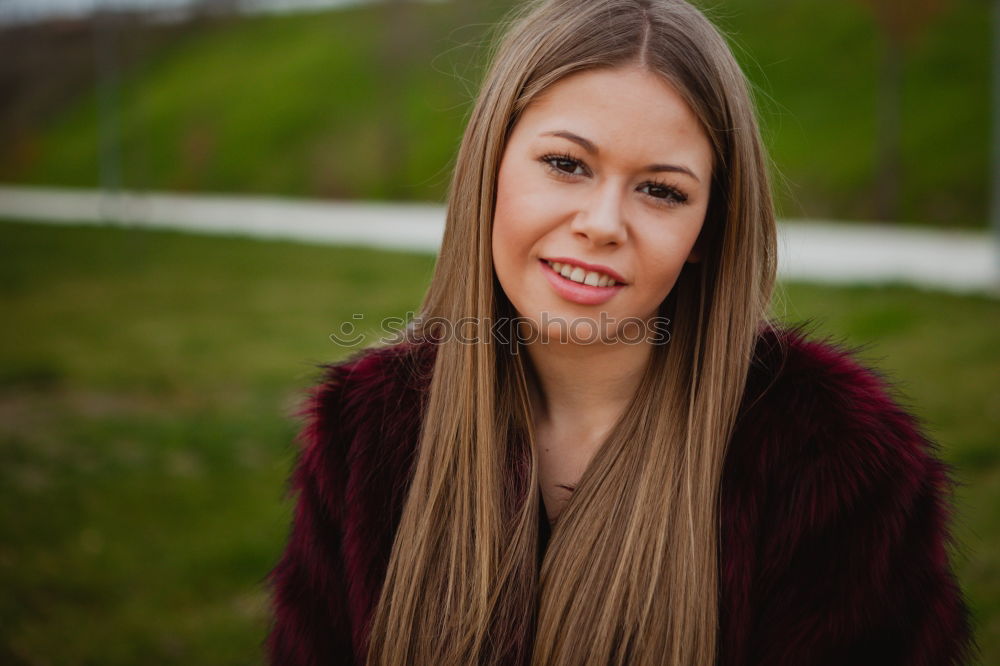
(584, 387)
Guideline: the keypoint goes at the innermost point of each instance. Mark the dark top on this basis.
(835, 514)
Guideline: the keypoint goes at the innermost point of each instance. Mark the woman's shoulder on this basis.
(852, 504)
(381, 367)
(376, 376)
(354, 440)
(824, 435)
(821, 432)
(373, 394)
(817, 396)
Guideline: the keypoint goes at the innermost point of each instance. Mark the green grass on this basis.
(300, 105)
(147, 381)
(145, 400)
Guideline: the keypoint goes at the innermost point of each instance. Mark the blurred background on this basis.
(149, 372)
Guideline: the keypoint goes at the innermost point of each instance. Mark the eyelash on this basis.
(675, 197)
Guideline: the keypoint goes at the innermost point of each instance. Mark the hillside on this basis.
(370, 103)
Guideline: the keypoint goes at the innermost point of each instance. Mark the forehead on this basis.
(623, 110)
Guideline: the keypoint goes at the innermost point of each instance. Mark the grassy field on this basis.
(146, 385)
(336, 104)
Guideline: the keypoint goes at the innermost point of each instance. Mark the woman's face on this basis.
(605, 176)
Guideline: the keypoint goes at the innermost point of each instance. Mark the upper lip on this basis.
(588, 267)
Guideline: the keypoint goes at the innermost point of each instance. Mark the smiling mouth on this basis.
(581, 276)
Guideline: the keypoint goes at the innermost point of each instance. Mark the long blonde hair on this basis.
(630, 574)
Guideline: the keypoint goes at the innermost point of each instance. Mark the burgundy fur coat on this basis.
(835, 515)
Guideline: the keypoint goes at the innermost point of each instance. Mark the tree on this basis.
(901, 22)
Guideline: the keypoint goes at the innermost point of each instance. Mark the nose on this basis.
(601, 218)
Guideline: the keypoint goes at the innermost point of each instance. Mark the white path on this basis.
(964, 261)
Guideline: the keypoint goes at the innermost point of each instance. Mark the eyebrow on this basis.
(589, 146)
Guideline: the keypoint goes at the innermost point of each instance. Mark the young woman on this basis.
(593, 446)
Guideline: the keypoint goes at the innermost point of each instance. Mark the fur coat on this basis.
(835, 529)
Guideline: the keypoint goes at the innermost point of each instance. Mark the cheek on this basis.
(670, 247)
(506, 236)
(511, 220)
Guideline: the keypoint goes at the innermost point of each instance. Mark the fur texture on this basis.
(835, 514)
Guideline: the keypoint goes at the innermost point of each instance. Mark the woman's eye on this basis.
(670, 195)
(564, 165)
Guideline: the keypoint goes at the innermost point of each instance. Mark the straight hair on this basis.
(630, 574)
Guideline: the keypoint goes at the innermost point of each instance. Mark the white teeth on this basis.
(577, 274)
